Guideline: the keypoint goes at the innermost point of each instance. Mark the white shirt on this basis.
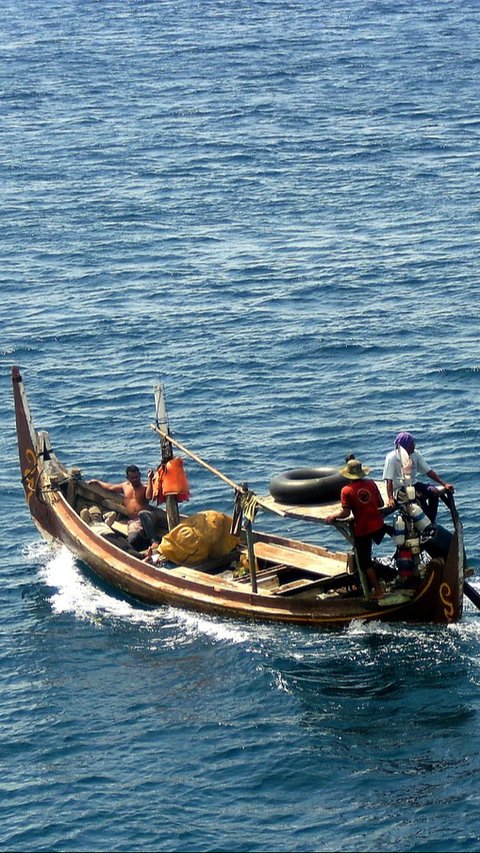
(393, 469)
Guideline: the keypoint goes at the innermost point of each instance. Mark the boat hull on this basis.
(50, 489)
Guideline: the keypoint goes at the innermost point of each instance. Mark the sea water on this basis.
(272, 207)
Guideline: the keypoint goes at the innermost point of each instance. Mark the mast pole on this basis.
(242, 490)
(161, 420)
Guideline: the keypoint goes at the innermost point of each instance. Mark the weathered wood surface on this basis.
(317, 512)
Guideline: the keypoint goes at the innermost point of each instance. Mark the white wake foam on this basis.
(74, 592)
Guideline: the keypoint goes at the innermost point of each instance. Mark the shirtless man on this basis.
(141, 524)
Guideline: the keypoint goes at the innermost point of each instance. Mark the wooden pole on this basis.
(345, 527)
(251, 555)
(247, 523)
(171, 501)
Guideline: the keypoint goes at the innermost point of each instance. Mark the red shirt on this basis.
(363, 498)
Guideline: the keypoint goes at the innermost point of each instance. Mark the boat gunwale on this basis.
(225, 598)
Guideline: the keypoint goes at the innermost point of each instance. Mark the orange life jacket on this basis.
(170, 479)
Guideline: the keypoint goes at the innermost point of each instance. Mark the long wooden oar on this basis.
(197, 458)
(472, 594)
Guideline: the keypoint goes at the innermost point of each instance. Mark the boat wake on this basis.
(73, 592)
(196, 625)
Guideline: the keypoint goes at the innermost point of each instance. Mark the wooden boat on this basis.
(289, 581)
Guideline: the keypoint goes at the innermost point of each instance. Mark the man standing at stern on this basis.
(362, 498)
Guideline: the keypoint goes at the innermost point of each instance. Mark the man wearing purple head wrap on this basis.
(405, 440)
(402, 466)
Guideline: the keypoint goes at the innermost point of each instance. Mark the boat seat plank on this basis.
(300, 559)
(304, 585)
(203, 577)
(264, 574)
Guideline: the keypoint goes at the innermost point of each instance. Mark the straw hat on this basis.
(354, 470)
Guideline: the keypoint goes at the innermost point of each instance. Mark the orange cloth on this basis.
(170, 479)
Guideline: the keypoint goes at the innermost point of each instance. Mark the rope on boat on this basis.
(30, 482)
(250, 504)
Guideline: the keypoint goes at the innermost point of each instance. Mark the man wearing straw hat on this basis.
(362, 498)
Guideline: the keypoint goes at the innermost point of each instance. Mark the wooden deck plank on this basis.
(302, 585)
(300, 559)
(203, 577)
(315, 512)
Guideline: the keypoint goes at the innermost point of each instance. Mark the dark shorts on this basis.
(363, 545)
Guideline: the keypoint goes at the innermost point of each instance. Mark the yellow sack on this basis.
(204, 536)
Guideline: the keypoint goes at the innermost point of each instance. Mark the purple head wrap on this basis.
(406, 440)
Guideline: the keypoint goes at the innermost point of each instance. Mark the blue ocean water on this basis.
(273, 208)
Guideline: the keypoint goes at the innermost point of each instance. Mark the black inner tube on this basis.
(308, 486)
